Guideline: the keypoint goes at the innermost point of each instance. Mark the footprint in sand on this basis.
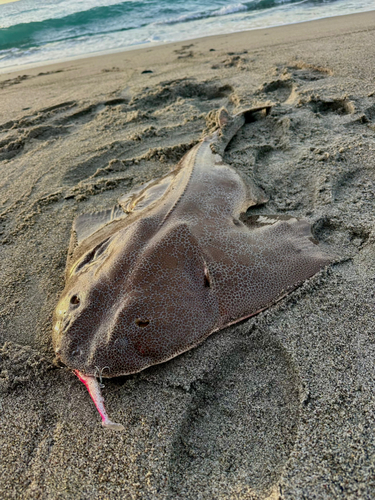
(241, 425)
(280, 90)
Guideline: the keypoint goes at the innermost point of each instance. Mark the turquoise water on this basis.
(43, 31)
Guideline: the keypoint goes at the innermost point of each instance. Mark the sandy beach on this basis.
(281, 406)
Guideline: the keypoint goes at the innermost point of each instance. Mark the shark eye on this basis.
(75, 300)
(142, 323)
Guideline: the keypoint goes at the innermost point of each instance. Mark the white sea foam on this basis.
(230, 9)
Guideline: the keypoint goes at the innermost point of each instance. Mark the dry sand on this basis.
(281, 406)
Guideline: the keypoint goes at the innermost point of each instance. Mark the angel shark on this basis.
(175, 261)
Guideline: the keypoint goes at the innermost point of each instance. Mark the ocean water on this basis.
(43, 31)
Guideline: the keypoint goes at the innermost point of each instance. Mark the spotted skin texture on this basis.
(175, 262)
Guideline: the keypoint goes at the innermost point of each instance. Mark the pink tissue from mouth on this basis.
(93, 388)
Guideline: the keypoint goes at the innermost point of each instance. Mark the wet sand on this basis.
(280, 406)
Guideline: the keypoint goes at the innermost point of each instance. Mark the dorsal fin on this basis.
(229, 125)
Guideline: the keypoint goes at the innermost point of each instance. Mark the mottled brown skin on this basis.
(177, 261)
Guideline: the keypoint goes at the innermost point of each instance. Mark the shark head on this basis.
(133, 300)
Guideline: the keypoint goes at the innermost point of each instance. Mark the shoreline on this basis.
(279, 406)
(150, 45)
